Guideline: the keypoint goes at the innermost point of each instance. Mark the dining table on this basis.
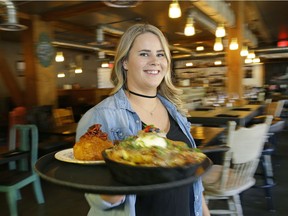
(206, 136)
(219, 116)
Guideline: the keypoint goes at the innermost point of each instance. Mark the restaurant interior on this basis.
(230, 58)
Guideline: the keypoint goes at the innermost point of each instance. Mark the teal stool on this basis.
(21, 162)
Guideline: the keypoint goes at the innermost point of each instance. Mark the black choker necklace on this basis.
(140, 95)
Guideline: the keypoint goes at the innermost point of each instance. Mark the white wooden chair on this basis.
(236, 174)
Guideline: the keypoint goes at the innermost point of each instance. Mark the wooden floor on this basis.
(61, 201)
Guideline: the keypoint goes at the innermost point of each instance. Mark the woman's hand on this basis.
(112, 198)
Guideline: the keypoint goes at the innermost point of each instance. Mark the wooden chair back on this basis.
(241, 161)
(275, 108)
(21, 161)
(236, 174)
(63, 116)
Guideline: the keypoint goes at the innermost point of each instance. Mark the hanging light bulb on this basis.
(220, 31)
(218, 46)
(251, 55)
(174, 9)
(244, 51)
(199, 48)
(189, 27)
(78, 70)
(59, 57)
(256, 60)
(234, 44)
(248, 60)
(61, 75)
(105, 65)
(218, 62)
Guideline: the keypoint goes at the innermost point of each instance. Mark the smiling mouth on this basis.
(152, 71)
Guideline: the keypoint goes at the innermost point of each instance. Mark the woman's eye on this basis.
(161, 55)
(143, 54)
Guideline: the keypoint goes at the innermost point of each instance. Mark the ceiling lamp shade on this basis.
(174, 9)
(189, 27)
(234, 44)
(244, 51)
(11, 23)
(218, 46)
(220, 31)
(121, 3)
(59, 57)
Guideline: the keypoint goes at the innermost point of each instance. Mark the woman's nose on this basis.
(154, 60)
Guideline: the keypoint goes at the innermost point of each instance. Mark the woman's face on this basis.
(146, 64)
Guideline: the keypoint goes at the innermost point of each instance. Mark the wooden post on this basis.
(233, 58)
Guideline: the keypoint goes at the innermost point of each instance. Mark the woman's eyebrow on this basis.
(146, 50)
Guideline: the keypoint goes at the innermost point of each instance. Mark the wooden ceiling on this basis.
(76, 22)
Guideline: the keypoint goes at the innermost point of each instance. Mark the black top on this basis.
(171, 202)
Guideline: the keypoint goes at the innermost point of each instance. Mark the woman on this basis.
(143, 94)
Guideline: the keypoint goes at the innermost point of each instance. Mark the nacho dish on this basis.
(152, 149)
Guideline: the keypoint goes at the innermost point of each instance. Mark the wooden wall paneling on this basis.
(6, 74)
(30, 71)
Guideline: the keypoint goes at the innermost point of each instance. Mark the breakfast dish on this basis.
(67, 155)
(91, 144)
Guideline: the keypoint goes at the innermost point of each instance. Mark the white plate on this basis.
(67, 155)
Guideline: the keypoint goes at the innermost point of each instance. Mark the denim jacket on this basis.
(119, 120)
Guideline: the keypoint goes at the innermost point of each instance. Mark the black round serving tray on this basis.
(99, 179)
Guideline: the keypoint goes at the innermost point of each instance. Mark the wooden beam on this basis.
(73, 11)
(73, 28)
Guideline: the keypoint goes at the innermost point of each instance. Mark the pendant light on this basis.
(244, 51)
(234, 44)
(218, 46)
(174, 9)
(189, 27)
(256, 60)
(78, 70)
(61, 75)
(59, 57)
(220, 31)
(251, 55)
(199, 48)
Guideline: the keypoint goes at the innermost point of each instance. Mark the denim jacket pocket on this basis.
(119, 133)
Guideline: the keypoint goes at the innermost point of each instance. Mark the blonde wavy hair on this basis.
(118, 76)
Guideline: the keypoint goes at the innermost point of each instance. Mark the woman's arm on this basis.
(112, 198)
(205, 209)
